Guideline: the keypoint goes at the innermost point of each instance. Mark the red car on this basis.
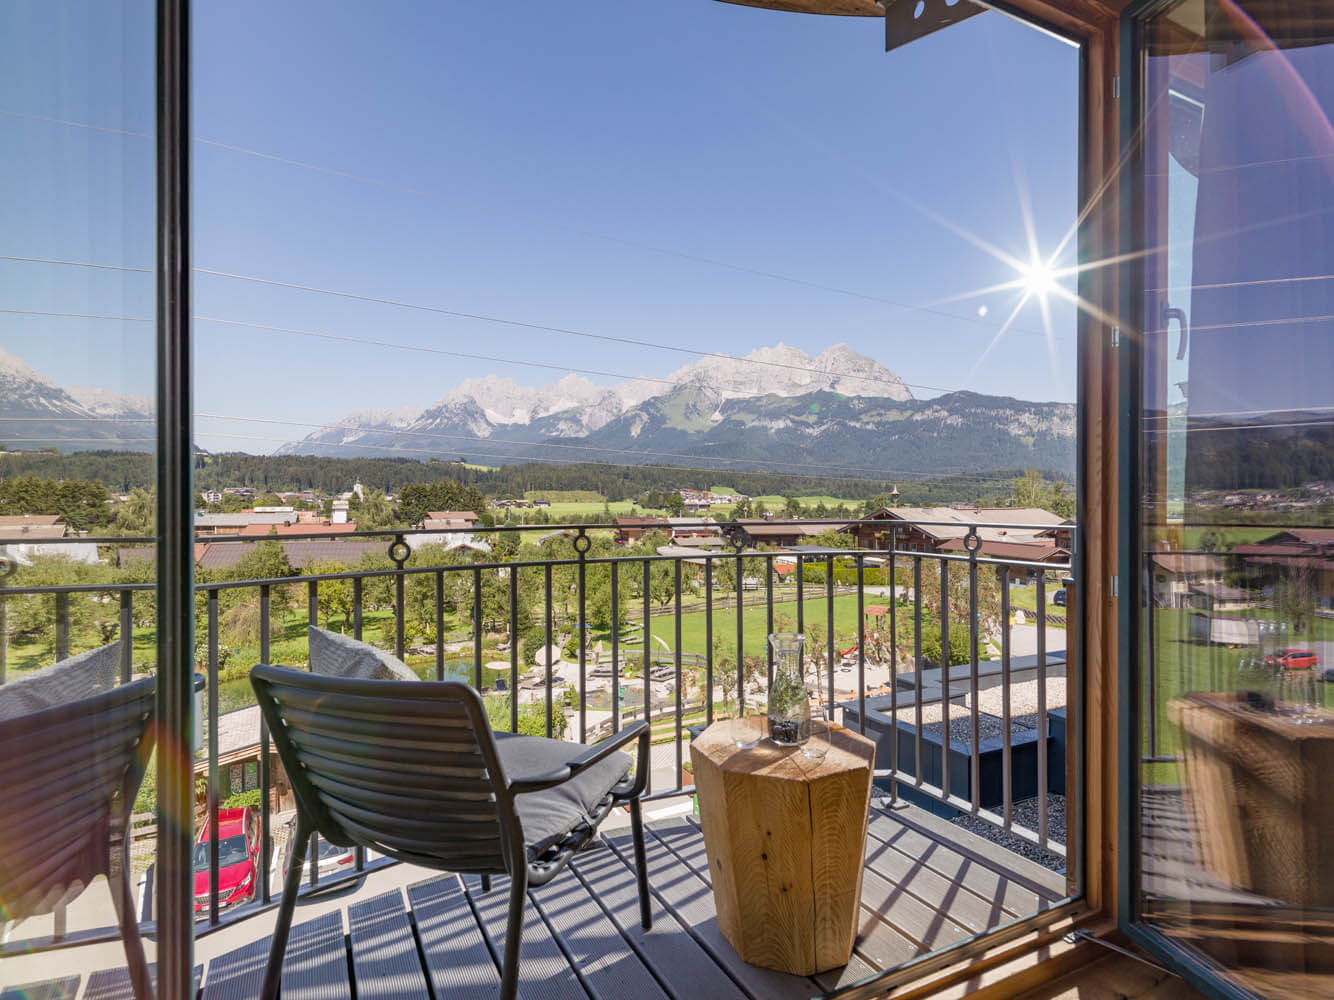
(238, 859)
(1292, 659)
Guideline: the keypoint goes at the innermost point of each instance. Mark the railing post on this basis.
(615, 648)
(4, 636)
(356, 607)
(265, 834)
(740, 615)
(973, 542)
(582, 543)
(546, 650)
(708, 639)
(918, 769)
(399, 550)
(1007, 778)
(439, 624)
(514, 648)
(646, 668)
(126, 635)
(801, 594)
(676, 577)
(945, 704)
(1042, 706)
(769, 617)
(477, 628)
(213, 912)
(861, 644)
(832, 650)
(62, 627)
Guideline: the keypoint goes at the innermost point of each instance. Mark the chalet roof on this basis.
(300, 528)
(205, 520)
(640, 522)
(28, 520)
(300, 552)
(785, 529)
(32, 530)
(452, 515)
(448, 524)
(958, 520)
(1189, 562)
(1028, 551)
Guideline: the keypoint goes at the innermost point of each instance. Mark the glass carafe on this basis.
(789, 704)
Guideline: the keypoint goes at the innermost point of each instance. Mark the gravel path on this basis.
(1025, 813)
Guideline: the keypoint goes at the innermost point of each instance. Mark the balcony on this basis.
(970, 842)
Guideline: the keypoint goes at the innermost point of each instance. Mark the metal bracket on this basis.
(908, 20)
(1116, 336)
(1116, 87)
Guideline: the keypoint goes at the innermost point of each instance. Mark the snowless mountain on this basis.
(36, 413)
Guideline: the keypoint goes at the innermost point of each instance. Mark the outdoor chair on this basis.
(70, 773)
(414, 771)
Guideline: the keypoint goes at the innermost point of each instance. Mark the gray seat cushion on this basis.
(547, 816)
(70, 680)
(342, 656)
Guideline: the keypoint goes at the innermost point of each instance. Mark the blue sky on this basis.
(590, 165)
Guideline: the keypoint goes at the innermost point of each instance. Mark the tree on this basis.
(375, 511)
(792, 506)
(138, 514)
(416, 499)
(742, 508)
(674, 504)
(1032, 490)
(333, 597)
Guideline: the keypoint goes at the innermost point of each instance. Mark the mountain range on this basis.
(839, 412)
(36, 413)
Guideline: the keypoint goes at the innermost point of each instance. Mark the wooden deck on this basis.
(927, 884)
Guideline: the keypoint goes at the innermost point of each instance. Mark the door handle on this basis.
(1170, 313)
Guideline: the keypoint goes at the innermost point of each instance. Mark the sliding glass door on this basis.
(1230, 556)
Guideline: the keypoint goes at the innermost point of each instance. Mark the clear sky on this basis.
(616, 168)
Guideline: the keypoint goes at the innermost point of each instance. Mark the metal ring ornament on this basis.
(399, 550)
(972, 541)
(582, 543)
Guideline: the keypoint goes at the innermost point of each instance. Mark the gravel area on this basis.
(1025, 813)
(988, 727)
(1023, 703)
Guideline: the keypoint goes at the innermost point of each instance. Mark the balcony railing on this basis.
(974, 765)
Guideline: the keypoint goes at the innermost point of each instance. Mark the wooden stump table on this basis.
(785, 836)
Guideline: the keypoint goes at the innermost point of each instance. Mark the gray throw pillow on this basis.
(70, 680)
(342, 656)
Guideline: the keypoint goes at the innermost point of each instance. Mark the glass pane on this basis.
(1237, 461)
(77, 473)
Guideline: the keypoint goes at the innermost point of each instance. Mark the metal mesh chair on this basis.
(413, 770)
(70, 774)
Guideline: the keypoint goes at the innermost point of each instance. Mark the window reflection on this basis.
(1238, 465)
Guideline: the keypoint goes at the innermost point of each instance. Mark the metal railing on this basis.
(901, 766)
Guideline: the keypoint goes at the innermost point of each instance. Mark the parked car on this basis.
(332, 858)
(238, 858)
(1292, 659)
(1058, 598)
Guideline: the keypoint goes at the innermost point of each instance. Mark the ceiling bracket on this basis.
(908, 20)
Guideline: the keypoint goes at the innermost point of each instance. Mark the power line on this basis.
(481, 317)
(540, 221)
(587, 448)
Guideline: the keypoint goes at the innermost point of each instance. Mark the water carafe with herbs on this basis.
(789, 704)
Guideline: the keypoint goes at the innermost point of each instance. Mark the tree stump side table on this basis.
(786, 838)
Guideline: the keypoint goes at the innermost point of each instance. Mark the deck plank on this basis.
(385, 964)
(458, 962)
(315, 963)
(687, 971)
(879, 944)
(932, 890)
(690, 897)
(51, 989)
(239, 974)
(114, 984)
(610, 968)
(988, 884)
(544, 972)
(1047, 884)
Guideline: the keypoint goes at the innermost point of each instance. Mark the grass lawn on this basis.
(754, 627)
(1183, 666)
(619, 508)
(774, 501)
(1026, 598)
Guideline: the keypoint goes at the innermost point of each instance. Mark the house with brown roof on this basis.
(450, 520)
(631, 529)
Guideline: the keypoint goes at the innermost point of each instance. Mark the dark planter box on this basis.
(881, 728)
